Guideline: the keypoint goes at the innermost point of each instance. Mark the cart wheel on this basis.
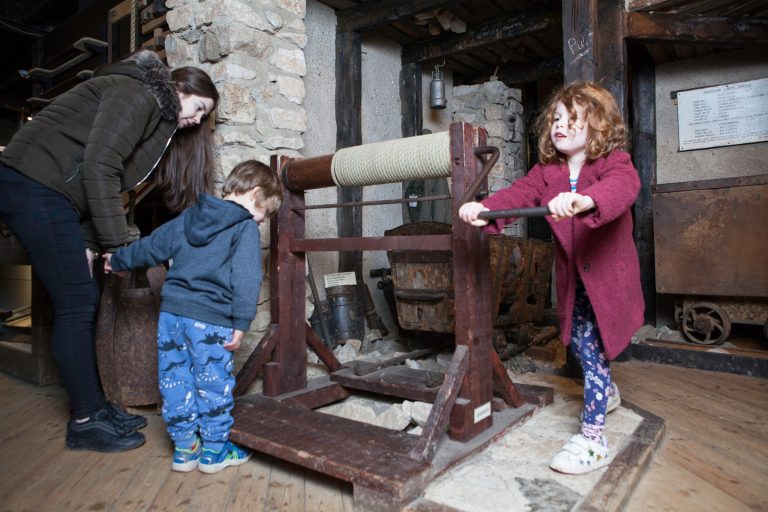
(706, 324)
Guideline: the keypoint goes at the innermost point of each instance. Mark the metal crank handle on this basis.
(536, 211)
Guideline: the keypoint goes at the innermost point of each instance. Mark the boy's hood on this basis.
(210, 216)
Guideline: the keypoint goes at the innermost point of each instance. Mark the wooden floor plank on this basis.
(715, 454)
(250, 488)
(324, 495)
(286, 488)
(145, 485)
(667, 486)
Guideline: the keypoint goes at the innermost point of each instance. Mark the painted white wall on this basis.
(380, 68)
(711, 163)
(320, 137)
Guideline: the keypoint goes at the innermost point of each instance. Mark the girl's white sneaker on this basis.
(580, 455)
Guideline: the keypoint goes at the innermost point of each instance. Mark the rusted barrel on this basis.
(126, 337)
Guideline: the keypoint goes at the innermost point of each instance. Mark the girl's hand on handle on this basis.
(237, 338)
(568, 204)
(469, 212)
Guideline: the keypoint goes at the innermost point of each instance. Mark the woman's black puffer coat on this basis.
(99, 139)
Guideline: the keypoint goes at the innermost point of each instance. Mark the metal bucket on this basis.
(343, 303)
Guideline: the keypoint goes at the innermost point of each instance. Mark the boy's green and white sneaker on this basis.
(231, 455)
(614, 401)
(580, 455)
(186, 460)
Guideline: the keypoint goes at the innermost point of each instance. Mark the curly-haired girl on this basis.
(589, 184)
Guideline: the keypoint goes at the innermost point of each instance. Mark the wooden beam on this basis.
(349, 132)
(255, 362)
(323, 352)
(611, 53)
(287, 370)
(410, 100)
(593, 45)
(506, 28)
(644, 156)
(412, 117)
(441, 409)
(374, 14)
(722, 31)
(579, 28)
(638, 5)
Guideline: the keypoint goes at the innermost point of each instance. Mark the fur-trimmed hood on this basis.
(147, 67)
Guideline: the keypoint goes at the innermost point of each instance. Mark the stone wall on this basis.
(254, 51)
(497, 108)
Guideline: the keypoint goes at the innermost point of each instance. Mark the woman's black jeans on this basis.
(48, 227)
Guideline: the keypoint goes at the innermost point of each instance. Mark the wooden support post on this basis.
(287, 295)
(441, 409)
(349, 133)
(410, 99)
(579, 20)
(322, 351)
(504, 384)
(593, 45)
(644, 156)
(412, 115)
(471, 282)
(255, 362)
(611, 52)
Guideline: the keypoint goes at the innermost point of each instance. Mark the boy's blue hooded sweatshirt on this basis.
(216, 273)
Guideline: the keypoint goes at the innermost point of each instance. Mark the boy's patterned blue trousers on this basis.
(196, 381)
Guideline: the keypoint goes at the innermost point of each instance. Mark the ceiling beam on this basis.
(736, 32)
(638, 5)
(506, 28)
(371, 15)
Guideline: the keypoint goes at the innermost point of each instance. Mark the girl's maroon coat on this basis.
(596, 246)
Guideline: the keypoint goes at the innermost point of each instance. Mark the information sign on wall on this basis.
(724, 115)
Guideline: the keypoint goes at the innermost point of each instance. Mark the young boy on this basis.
(208, 302)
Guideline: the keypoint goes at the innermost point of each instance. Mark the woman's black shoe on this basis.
(126, 419)
(101, 434)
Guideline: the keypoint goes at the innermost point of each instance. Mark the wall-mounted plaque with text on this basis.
(724, 115)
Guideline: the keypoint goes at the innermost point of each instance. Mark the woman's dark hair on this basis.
(187, 168)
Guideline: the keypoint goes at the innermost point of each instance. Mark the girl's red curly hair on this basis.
(607, 131)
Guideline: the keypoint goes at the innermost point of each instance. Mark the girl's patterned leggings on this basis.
(196, 381)
(588, 350)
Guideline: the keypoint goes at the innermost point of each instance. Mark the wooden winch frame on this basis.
(382, 464)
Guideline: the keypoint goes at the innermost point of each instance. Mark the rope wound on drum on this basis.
(412, 158)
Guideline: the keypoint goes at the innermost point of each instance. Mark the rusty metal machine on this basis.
(387, 468)
(712, 255)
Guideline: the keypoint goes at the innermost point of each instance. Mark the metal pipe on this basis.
(536, 211)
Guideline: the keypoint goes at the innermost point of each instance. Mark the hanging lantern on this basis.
(437, 89)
